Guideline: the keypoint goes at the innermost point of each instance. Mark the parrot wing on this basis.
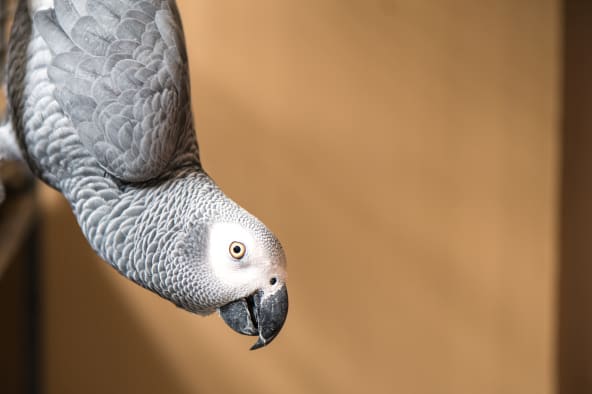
(120, 74)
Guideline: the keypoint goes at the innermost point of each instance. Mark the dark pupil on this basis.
(236, 249)
(273, 281)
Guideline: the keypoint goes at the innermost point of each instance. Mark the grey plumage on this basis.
(99, 104)
(124, 86)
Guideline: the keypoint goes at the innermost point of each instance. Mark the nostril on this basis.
(273, 281)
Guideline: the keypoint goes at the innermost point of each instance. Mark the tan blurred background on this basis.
(407, 153)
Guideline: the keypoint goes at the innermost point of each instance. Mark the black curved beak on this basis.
(258, 315)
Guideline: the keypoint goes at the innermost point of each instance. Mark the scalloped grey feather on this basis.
(126, 92)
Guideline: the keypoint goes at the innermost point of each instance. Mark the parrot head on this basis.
(227, 260)
(254, 262)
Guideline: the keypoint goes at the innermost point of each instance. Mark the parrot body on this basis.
(99, 109)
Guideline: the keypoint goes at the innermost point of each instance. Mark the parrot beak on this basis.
(258, 315)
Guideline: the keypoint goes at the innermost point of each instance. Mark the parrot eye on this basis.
(237, 249)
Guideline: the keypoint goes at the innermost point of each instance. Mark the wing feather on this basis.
(120, 71)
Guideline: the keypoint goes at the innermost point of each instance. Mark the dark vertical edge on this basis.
(32, 297)
(574, 313)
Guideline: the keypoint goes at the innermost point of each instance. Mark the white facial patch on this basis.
(250, 271)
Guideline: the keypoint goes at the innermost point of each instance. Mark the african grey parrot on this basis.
(99, 109)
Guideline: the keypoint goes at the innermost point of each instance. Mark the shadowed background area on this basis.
(575, 292)
(407, 155)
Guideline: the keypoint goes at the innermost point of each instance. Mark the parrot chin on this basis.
(258, 315)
